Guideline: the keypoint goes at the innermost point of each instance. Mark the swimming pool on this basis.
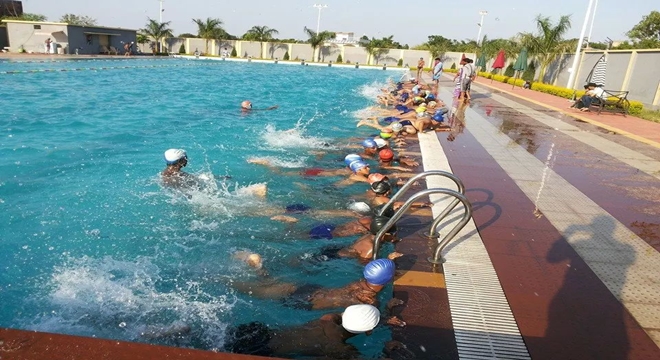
(95, 247)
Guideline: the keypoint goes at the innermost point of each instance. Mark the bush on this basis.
(509, 70)
(528, 75)
(636, 107)
(450, 71)
(400, 62)
(339, 59)
(182, 49)
(233, 53)
(453, 66)
(286, 56)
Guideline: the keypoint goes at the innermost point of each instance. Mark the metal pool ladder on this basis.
(459, 197)
(459, 184)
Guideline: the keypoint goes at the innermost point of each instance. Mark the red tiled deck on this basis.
(633, 125)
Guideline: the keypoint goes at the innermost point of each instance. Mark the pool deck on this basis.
(566, 208)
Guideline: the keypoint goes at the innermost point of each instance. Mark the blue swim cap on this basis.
(438, 117)
(297, 208)
(379, 272)
(357, 165)
(322, 231)
(352, 157)
(369, 143)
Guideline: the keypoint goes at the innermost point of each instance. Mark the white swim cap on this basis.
(360, 207)
(396, 127)
(174, 155)
(361, 318)
(380, 142)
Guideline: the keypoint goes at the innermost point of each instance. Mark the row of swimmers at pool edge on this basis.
(327, 335)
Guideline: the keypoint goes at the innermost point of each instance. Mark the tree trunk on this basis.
(262, 49)
(542, 72)
(206, 47)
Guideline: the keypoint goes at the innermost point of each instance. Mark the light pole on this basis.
(318, 22)
(578, 50)
(481, 23)
(591, 27)
(160, 13)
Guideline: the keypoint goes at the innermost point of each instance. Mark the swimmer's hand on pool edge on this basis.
(273, 107)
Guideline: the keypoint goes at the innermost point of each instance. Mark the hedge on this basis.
(635, 106)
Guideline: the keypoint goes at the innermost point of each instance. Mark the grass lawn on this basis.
(651, 115)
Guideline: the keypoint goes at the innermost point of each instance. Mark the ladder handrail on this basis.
(460, 197)
(437, 253)
(411, 181)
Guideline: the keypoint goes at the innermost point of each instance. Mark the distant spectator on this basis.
(437, 73)
(48, 44)
(225, 53)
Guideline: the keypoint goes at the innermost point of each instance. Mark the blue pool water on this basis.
(94, 246)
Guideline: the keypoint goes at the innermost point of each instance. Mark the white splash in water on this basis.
(365, 113)
(371, 91)
(291, 138)
(283, 162)
(121, 299)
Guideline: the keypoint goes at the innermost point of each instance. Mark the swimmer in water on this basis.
(377, 274)
(362, 248)
(309, 172)
(247, 106)
(322, 338)
(380, 191)
(386, 160)
(173, 176)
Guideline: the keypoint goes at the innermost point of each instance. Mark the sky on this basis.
(409, 24)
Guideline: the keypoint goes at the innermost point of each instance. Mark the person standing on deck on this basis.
(48, 43)
(420, 67)
(437, 73)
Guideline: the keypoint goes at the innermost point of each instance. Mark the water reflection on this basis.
(549, 164)
(457, 119)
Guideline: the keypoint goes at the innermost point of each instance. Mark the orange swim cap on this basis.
(386, 155)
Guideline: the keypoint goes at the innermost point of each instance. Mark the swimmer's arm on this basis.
(347, 252)
(269, 108)
(344, 182)
(398, 168)
(333, 213)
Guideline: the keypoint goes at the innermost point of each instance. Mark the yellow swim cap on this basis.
(385, 135)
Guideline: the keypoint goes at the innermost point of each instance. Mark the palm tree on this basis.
(375, 49)
(548, 42)
(317, 39)
(210, 29)
(261, 34)
(157, 31)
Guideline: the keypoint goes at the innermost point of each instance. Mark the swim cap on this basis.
(379, 272)
(378, 222)
(389, 212)
(358, 319)
(368, 143)
(396, 127)
(386, 155)
(360, 207)
(432, 104)
(381, 187)
(246, 104)
(172, 156)
(438, 117)
(443, 110)
(322, 231)
(357, 165)
(376, 177)
(380, 142)
(421, 109)
(385, 135)
(352, 157)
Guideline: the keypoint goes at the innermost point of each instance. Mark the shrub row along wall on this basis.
(635, 106)
(270, 50)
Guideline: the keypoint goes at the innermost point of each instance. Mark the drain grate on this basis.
(483, 323)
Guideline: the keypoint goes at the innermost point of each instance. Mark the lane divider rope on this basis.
(11, 72)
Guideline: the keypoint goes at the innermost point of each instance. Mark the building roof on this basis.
(65, 24)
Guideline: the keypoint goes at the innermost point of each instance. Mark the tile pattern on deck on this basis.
(483, 323)
(626, 264)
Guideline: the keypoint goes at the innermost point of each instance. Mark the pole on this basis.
(481, 25)
(578, 50)
(593, 18)
(160, 13)
(318, 20)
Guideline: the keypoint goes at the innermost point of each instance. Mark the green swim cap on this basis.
(385, 135)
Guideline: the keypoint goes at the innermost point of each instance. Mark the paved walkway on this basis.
(639, 129)
(567, 216)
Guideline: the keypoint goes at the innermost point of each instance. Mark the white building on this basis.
(344, 38)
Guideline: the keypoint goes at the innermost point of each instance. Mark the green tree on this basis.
(317, 39)
(142, 38)
(233, 53)
(157, 31)
(490, 48)
(374, 50)
(182, 49)
(261, 34)
(436, 45)
(509, 71)
(548, 42)
(187, 35)
(28, 17)
(209, 29)
(286, 56)
(530, 72)
(339, 59)
(79, 20)
(647, 29)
